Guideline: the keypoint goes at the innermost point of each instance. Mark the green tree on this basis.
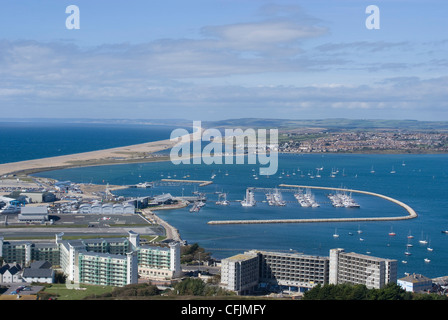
(391, 291)
(190, 287)
(193, 252)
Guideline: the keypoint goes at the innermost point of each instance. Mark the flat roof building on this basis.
(107, 269)
(33, 214)
(104, 261)
(240, 273)
(415, 283)
(355, 268)
(293, 269)
(243, 272)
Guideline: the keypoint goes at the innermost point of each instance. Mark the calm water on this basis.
(422, 183)
(27, 140)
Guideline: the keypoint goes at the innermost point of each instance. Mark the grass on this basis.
(92, 236)
(63, 293)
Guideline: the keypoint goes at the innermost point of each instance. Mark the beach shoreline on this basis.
(138, 153)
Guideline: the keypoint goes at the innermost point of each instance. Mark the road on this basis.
(50, 232)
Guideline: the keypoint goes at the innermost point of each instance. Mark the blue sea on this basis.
(421, 181)
(34, 140)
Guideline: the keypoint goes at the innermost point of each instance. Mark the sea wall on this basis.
(411, 212)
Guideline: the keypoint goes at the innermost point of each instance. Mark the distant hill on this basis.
(337, 124)
(283, 124)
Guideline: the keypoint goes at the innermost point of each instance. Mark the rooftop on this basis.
(415, 278)
(241, 257)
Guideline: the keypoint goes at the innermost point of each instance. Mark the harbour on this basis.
(406, 186)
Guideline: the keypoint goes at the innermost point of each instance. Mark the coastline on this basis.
(171, 232)
(138, 153)
(120, 155)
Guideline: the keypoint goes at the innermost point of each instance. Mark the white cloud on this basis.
(170, 77)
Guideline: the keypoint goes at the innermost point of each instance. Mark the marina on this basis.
(411, 212)
(306, 199)
(291, 225)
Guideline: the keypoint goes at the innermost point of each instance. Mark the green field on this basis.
(61, 292)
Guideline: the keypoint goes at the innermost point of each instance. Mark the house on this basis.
(10, 273)
(39, 271)
(415, 283)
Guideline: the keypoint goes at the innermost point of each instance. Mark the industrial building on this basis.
(33, 214)
(106, 208)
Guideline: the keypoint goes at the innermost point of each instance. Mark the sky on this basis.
(224, 59)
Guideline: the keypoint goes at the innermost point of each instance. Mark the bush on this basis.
(197, 287)
(131, 290)
(391, 291)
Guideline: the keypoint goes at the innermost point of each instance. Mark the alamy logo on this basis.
(233, 148)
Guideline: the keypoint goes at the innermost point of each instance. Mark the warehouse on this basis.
(33, 214)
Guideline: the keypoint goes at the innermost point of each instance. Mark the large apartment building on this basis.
(355, 268)
(104, 261)
(107, 269)
(244, 272)
(240, 273)
(292, 269)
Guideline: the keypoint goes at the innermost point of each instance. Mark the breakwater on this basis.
(201, 183)
(411, 212)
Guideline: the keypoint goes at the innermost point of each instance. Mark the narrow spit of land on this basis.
(138, 153)
(134, 153)
(411, 212)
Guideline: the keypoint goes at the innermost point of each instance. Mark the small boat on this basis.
(392, 233)
(445, 231)
(423, 241)
(427, 260)
(410, 236)
(393, 170)
(404, 261)
(335, 235)
(359, 230)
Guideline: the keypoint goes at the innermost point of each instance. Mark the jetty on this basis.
(201, 183)
(411, 212)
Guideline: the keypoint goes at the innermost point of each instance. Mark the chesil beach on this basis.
(420, 186)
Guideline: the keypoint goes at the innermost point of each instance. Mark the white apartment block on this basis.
(293, 269)
(243, 272)
(355, 268)
(103, 261)
(240, 273)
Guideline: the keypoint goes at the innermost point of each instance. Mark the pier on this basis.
(202, 183)
(411, 212)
